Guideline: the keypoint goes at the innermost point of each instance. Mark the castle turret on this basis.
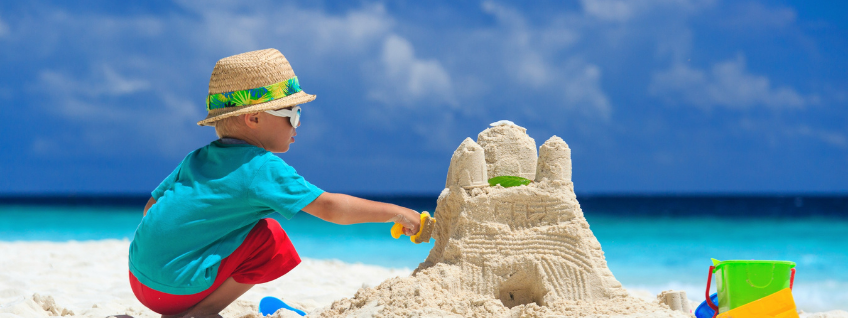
(554, 161)
(468, 166)
(509, 151)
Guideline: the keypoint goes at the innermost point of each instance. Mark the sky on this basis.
(652, 96)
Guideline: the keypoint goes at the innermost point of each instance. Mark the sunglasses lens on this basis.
(295, 120)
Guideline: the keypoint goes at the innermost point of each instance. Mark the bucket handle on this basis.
(792, 279)
(710, 301)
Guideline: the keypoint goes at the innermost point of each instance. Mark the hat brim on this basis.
(288, 101)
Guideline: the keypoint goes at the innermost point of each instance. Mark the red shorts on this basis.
(265, 255)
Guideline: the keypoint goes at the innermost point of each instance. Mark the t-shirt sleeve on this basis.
(278, 186)
(166, 184)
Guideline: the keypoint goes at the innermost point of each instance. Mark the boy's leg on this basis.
(219, 299)
(265, 255)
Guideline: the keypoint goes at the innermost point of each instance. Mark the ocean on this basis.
(652, 243)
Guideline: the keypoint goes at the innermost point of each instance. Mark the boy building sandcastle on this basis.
(204, 239)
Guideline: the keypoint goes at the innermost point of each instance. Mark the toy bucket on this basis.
(741, 282)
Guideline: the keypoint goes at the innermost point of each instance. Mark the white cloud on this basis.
(778, 132)
(407, 78)
(833, 138)
(534, 56)
(726, 84)
(612, 10)
(363, 36)
(4, 29)
(95, 102)
(288, 28)
(524, 55)
(104, 81)
(755, 15)
(365, 39)
(624, 11)
(355, 30)
(95, 99)
(557, 65)
(582, 87)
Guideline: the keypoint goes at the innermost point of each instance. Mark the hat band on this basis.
(253, 96)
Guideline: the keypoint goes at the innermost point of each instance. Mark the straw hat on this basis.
(252, 82)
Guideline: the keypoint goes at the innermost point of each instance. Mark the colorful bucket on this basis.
(742, 282)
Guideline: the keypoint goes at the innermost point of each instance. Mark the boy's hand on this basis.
(410, 220)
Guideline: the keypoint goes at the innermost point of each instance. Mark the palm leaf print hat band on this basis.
(252, 82)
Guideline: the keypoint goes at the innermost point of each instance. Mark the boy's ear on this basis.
(251, 120)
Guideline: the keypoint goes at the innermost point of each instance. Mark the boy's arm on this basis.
(150, 203)
(344, 209)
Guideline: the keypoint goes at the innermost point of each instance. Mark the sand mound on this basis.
(829, 314)
(441, 291)
(36, 306)
(524, 251)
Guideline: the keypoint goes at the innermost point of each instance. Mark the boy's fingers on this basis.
(400, 219)
(410, 227)
(403, 220)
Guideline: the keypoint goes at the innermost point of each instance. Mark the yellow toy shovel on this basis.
(424, 233)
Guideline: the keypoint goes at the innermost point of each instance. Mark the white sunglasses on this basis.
(292, 113)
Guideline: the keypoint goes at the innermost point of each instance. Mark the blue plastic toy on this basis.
(704, 310)
(269, 305)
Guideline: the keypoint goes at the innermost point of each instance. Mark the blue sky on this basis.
(653, 96)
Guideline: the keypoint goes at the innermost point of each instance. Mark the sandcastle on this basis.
(519, 251)
(521, 244)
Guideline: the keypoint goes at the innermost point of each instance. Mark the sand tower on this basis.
(468, 166)
(554, 161)
(509, 151)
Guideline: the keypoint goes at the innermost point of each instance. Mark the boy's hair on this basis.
(228, 126)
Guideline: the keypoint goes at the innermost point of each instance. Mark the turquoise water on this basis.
(653, 253)
(364, 243)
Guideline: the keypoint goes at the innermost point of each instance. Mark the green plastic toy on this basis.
(509, 181)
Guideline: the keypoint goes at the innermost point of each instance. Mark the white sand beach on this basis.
(89, 279)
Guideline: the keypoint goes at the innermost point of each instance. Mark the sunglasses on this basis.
(292, 113)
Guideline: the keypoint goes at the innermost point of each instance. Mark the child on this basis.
(203, 240)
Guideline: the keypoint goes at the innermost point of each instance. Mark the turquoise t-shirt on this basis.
(205, 209)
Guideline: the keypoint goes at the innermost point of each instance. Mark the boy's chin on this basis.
(281, 150)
